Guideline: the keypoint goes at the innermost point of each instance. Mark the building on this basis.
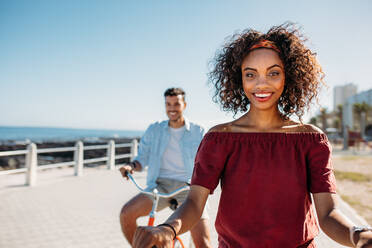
(347, 111)
(342, 93)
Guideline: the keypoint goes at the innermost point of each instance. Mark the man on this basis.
(168, 148)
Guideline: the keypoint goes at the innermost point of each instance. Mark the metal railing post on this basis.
(111, 155)
(79, 158)
(134, 149)
(31, 164)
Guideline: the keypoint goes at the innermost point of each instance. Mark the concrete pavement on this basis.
(77, 212)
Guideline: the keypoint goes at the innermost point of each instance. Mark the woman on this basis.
(267, 163)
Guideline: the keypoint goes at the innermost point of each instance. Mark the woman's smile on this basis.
(263, 96)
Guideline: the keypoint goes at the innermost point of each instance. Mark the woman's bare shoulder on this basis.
(308, 128)
(221, 128)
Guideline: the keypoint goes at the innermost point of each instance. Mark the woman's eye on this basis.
(249, 75)
(274, 73)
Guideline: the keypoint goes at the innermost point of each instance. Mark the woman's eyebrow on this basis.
(276, 65)
(248, 68)
(268, 68)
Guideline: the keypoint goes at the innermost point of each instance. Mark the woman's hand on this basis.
(365, 240)
(149, 236)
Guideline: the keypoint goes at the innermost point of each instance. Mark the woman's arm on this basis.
(182, 220)
(190, 211)
(335, 224)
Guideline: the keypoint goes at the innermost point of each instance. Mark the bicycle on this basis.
(177, 243)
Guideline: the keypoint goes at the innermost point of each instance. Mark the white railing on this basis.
(31, 165)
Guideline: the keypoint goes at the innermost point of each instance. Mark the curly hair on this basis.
(303, 74)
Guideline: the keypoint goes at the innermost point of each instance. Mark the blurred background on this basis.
(95, 71)
(105, 64)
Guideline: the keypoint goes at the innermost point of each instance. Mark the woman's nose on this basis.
(261, 81)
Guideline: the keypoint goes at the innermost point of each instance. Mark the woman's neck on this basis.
(264, 120)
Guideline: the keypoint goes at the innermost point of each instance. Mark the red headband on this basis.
(265, 44)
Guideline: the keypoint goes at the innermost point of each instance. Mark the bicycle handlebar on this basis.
(163, 195)
(156, 194)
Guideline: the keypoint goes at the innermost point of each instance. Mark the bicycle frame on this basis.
(156, 195)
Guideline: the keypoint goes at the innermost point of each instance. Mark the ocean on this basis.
(40, 134)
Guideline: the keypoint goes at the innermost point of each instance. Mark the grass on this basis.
(355, 203)
(350, 158)
(352, 176)
(351, 201)
(365, 211)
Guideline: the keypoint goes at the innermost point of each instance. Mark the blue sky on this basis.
(106, 64)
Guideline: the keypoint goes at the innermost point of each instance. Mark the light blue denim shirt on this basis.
(154, 142)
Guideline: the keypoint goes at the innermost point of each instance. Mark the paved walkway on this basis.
(64, 211)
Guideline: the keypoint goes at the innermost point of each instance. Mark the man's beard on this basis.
(176, 118)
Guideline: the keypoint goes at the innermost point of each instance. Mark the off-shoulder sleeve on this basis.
(321, 176)
(210, 161)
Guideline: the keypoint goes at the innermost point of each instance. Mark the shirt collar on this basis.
(187, 124)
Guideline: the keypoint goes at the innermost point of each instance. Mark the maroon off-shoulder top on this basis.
(266, 180)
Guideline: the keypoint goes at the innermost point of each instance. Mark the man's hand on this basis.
(125, 170)
(365, 240)
(149, 237)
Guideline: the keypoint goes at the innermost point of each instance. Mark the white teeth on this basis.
(263, 94)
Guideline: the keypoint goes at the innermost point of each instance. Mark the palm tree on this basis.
(360, 110)
(337, 124)
(339, 116)
(313, 121)
(323, 118)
